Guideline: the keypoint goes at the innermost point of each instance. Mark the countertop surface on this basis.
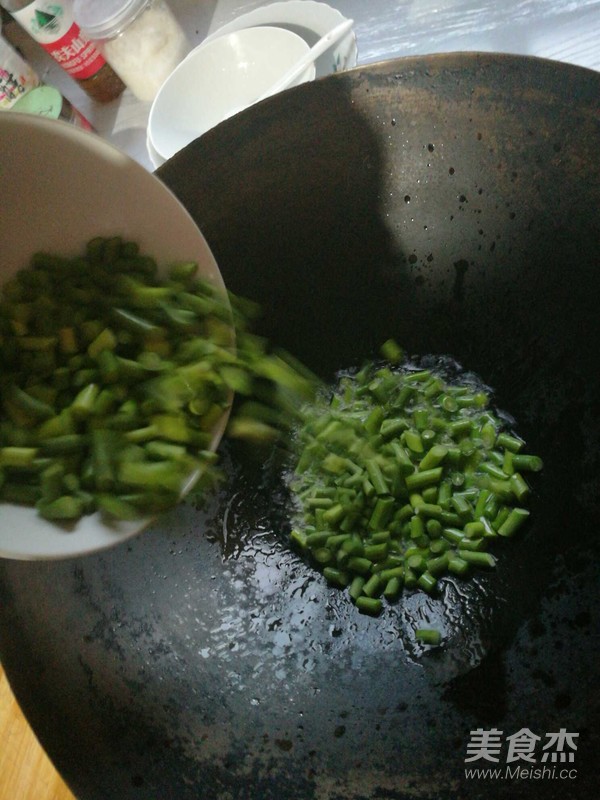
(26, 773)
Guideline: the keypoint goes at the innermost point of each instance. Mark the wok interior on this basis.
(450, 202)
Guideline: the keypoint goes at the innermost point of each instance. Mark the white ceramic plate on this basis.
(308, 19)
(59, 187)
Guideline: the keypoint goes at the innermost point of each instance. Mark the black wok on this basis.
(448, 201)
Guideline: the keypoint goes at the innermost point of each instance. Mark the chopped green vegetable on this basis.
(405, 475)
(369, 605)
(113, 380)
(428, 636)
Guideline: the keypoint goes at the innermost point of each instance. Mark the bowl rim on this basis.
(298, 13)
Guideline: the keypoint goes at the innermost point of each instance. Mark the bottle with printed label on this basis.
(52, 25)
(16, 76)
(22, 91)
(141, 39)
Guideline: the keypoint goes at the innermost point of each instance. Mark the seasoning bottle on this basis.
(140, 39)
(53, 26)
(22, 91)
(16, 76)
(46, 101)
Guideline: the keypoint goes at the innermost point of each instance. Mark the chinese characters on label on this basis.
(76, 55)
(11, 87)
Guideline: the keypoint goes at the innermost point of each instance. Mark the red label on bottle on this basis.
(75, 54)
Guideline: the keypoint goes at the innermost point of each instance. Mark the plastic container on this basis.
(53, 26)
(140, 39)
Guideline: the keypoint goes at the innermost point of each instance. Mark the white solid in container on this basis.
(140, 39)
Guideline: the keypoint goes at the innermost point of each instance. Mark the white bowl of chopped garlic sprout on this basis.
(62, 188)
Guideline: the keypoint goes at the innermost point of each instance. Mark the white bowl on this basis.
(310, 20)
(218, 79)
(155, 158)
(60, 187)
